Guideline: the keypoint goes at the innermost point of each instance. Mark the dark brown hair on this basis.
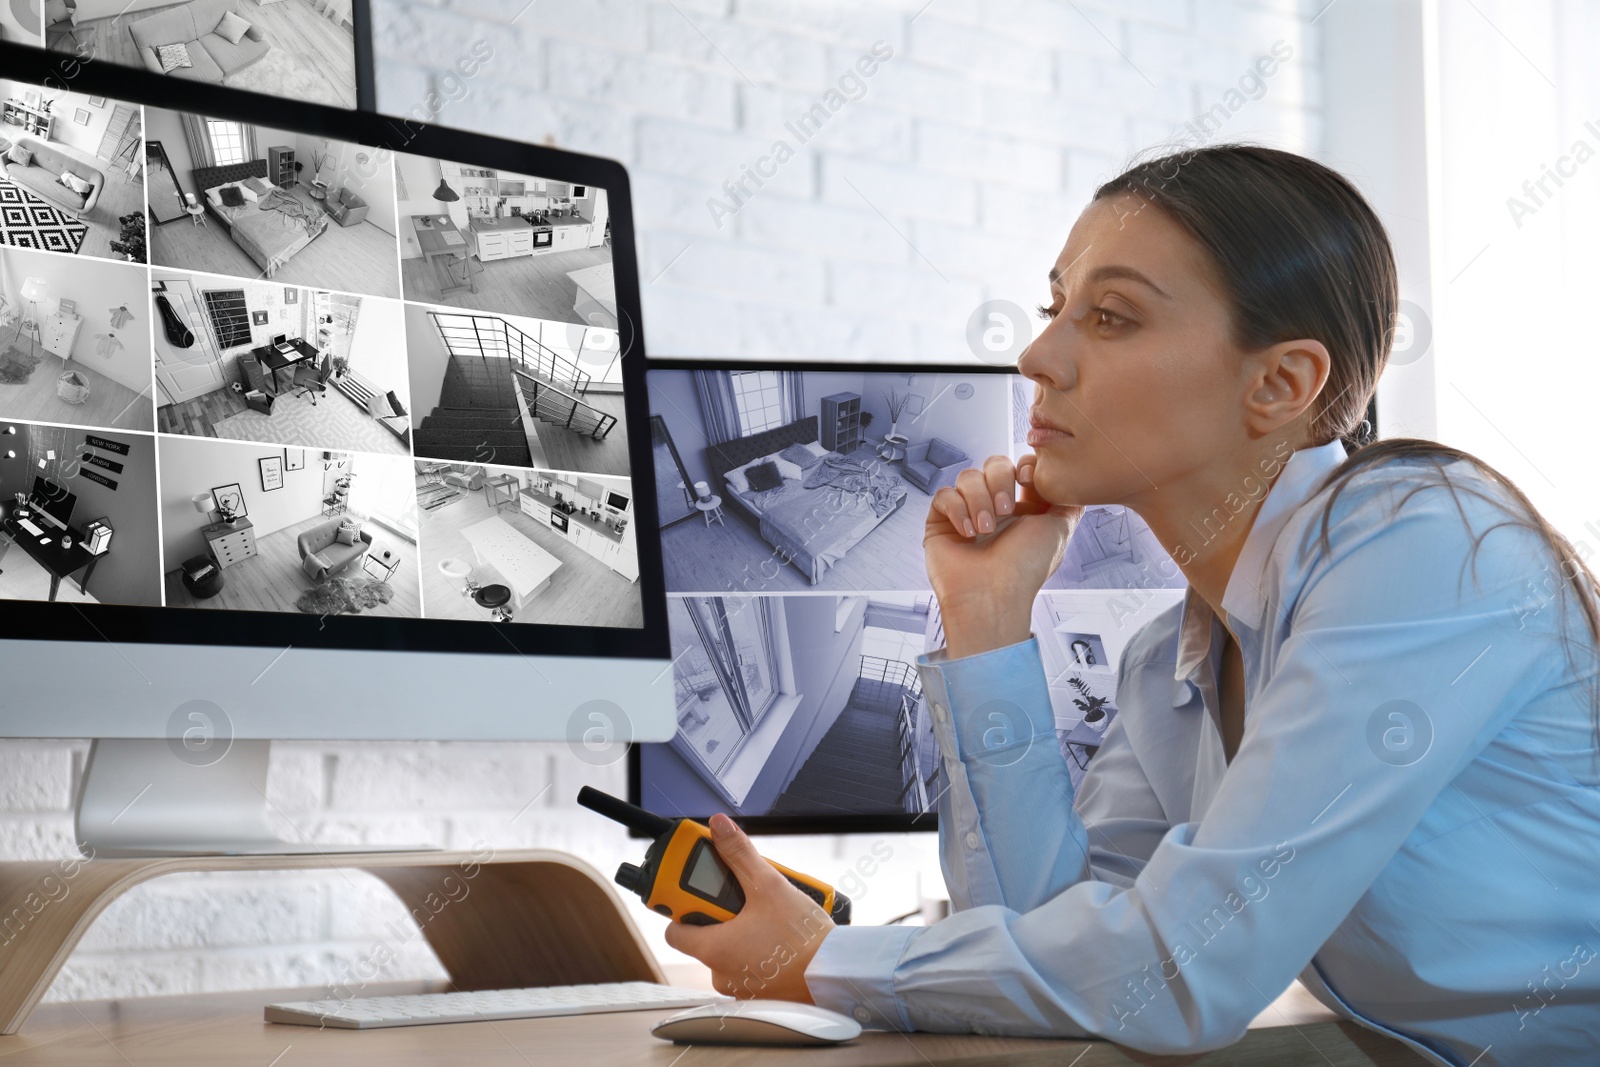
(1301, 253)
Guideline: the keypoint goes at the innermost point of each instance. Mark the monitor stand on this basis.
(143, 797)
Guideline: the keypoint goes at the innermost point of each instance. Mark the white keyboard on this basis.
(30, 527)
(370, 1013)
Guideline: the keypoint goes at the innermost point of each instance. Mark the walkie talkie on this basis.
(682, 876)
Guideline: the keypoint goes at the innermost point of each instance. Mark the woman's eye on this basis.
(1102, 314)
(1104, 318)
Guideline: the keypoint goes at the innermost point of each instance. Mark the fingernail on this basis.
(1002, 503)
(1025, 475)
(968, 526)
(985, 521)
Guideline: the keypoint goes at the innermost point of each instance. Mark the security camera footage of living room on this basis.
(250, 369)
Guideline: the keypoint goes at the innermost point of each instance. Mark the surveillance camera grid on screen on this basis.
(302, 375)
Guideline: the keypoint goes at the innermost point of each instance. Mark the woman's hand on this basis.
(991, 541)
(763, 951)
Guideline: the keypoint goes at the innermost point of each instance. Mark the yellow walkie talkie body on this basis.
(682, 876)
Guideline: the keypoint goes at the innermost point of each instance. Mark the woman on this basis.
(1362, 751)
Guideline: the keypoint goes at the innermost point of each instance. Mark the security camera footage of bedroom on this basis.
(244, 368)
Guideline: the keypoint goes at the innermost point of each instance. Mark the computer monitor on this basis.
(361, 538)
(53, 499)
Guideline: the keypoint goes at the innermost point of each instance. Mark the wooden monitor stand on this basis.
(502, 920)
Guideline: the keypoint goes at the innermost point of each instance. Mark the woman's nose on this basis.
(1047, 360)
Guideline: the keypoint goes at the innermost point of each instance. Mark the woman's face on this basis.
(1136, 369)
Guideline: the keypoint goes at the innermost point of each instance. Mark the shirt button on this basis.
(972, 839)
(862, 1015)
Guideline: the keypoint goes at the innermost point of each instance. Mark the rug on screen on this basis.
(28, 222)
(16, 366)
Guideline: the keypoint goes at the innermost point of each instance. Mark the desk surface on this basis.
(227, 1029)
(275, 360)
(59, 561)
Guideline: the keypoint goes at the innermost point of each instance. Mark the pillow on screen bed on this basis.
(736, 479)
(789, 470)
(231, 196)
(763, 476)
(801, 456)
(738, 476)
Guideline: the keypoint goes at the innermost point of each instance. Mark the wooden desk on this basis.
(227, 1029)
(526, 917)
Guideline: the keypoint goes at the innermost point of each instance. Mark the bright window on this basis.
(1515, 373)
(724, 672)
(227, 141)
(757, 395)
(385, 491)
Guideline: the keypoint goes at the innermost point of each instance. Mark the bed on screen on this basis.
(822, 507)
(271, 226)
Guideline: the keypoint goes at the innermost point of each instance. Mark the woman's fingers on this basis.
(980, 497)
(953, 506)
(1028, 498)
(983, 496)
(990, 492)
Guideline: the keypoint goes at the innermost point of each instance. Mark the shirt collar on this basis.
(1244, 599)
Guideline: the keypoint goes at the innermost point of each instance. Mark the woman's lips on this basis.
(1042, 432)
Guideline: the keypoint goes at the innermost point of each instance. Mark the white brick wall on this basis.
(979, 141)
(972, 150)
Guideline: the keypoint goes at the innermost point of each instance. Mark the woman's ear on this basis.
(1284, 381)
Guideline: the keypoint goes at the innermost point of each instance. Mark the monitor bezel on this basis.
(135, 624)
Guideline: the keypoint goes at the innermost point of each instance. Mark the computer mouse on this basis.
(757, 1022)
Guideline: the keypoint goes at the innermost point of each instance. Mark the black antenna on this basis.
(634, 818)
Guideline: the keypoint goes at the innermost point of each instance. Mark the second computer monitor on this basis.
(53, 500)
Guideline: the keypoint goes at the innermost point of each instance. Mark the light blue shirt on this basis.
(1410, 825)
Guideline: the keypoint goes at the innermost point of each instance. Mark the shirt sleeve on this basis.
(1014, 836)
(1009, 834)
(1381, 692)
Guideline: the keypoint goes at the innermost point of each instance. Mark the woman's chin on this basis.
(1054, 483)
